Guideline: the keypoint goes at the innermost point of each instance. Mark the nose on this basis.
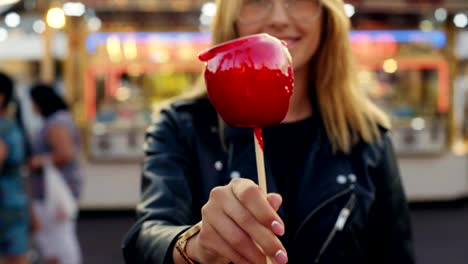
(279, 16)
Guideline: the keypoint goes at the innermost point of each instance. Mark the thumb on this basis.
(274, 200)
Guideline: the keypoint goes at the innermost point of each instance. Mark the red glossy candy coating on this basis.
(249, 80)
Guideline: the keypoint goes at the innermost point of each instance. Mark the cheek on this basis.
(246, 30)
(309, 46)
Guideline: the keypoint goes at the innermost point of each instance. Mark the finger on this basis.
(275, 200)
(261, 234)
(252, 197)
(213, 241)
(227, 229)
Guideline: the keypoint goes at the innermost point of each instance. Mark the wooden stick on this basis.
(261, 168)
(260, 165)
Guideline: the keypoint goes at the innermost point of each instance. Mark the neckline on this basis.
(294, 123)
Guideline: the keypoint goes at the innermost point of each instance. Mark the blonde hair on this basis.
(346, 111)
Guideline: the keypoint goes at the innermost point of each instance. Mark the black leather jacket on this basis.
(355, 212)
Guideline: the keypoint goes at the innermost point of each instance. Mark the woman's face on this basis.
(297, 22)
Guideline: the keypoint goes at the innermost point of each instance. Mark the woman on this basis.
(13, 197)
(57, 142)
(335, 190)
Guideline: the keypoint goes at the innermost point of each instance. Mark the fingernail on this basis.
(281, 257)
(277, 228)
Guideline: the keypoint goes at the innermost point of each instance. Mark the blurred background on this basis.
(114, 60)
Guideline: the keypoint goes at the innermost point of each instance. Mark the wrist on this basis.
(182, 251)
(192, 249)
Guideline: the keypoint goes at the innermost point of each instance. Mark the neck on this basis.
(300, 106)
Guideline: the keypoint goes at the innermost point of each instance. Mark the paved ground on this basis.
(101, 235)
(441, 234)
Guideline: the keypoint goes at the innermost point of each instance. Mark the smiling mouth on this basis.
(291, 42)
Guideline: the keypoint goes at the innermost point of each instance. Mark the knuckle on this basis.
(216, 192)
(267, 218)
(241, 183)
(202, 235)
(254, 254)
(273, 247)
(260, 258)
(238, 241)
(236, 181)
(238, 259)
(206, 210)
(247, 193)
(244, 219)
(205, 238)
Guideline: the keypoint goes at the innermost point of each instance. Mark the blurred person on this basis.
(14, 206)
(58, 141)
(336, 194)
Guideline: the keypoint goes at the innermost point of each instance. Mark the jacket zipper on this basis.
(339, 224)
(323, 204)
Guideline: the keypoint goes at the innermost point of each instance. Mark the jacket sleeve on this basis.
(389, 221)
(165, 209)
